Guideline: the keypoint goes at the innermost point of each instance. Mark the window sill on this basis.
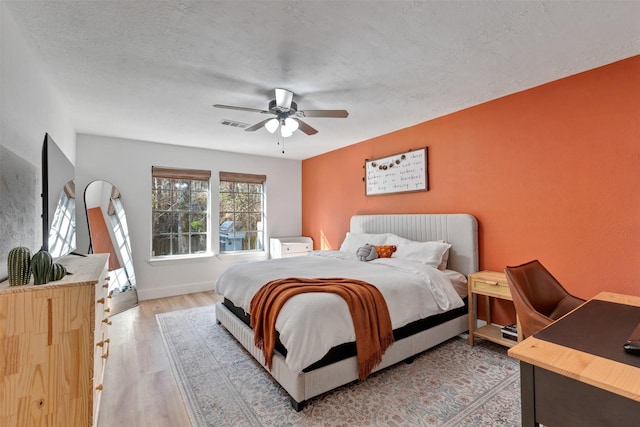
(258, 255)
(181, 259)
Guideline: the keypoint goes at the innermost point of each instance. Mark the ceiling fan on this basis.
(287, 115)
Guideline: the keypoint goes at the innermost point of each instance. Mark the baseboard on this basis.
(171, 291)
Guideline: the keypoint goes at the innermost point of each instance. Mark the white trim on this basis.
(181, 289)
(181, 258)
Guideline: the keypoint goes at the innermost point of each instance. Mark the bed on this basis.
(299, 363)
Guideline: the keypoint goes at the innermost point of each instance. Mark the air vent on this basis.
(234, 124)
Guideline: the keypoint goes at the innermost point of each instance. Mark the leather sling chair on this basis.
(538, 297)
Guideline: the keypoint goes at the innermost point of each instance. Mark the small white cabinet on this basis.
(284, 247)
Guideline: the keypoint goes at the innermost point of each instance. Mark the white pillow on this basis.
(399, 241)
(392, 239)
(430, 253)
(353, 241)
(459, 282)
(445, 260)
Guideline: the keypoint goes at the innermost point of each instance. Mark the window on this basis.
(241, 212)
(180, 216)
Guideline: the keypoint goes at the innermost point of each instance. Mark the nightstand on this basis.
(286, 247)
(490, 284)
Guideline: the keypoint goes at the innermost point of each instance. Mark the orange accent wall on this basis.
(551, 173)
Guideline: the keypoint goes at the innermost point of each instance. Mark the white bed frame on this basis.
(461, 230)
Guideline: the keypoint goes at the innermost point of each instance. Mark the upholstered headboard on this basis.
(460, 230)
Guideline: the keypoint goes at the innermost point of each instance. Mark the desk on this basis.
(562, 386)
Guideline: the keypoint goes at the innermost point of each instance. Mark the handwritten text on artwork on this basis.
(398, 173)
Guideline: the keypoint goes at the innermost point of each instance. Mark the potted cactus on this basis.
(58, 271)
(19, 266)
(41, 264)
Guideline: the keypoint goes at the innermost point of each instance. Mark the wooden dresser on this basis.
(53, 347)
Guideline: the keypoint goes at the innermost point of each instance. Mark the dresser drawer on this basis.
(295, 248)
(284, 247)
(491, 286)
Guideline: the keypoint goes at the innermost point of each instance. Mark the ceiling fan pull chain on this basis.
(278, 139)
(279, 142)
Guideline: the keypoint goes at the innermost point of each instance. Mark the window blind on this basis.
(172, 173)
(70, 189)
(242, 177)
(115, 193)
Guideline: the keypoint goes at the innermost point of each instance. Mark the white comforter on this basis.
(311, 324)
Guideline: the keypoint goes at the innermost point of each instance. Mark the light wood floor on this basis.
(139, 387)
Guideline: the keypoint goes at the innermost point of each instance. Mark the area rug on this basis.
(452, 384)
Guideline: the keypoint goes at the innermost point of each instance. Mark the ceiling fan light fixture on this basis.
(288, 117)
(291, 124)
(285, 132)
(288, 126)
(271, 125)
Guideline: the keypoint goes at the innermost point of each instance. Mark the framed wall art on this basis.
(398, 173)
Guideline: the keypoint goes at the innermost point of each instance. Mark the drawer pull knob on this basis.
(107, 310)
(102, 343)
(106, 285)
(104, 356)
(99, 388)
(101, 301)
(107, 321)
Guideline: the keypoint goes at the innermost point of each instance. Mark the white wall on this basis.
(127, 165)
(29, 108)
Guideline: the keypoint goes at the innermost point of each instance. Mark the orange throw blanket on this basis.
(371, 320)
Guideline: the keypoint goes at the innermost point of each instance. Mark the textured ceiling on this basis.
(151, 70)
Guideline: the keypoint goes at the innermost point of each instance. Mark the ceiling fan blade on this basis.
(306, 128)
(231, 107)
(284, 98)
(257, 125)
(323, 113)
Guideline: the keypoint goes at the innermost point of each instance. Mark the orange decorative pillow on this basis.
(386, 251)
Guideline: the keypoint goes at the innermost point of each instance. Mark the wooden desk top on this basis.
(603, 373)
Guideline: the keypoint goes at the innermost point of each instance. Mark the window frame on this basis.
(261, 229)
(181, 174)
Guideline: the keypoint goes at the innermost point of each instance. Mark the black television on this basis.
(58, 200)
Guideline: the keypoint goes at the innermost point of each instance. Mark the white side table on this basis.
(284, 247)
